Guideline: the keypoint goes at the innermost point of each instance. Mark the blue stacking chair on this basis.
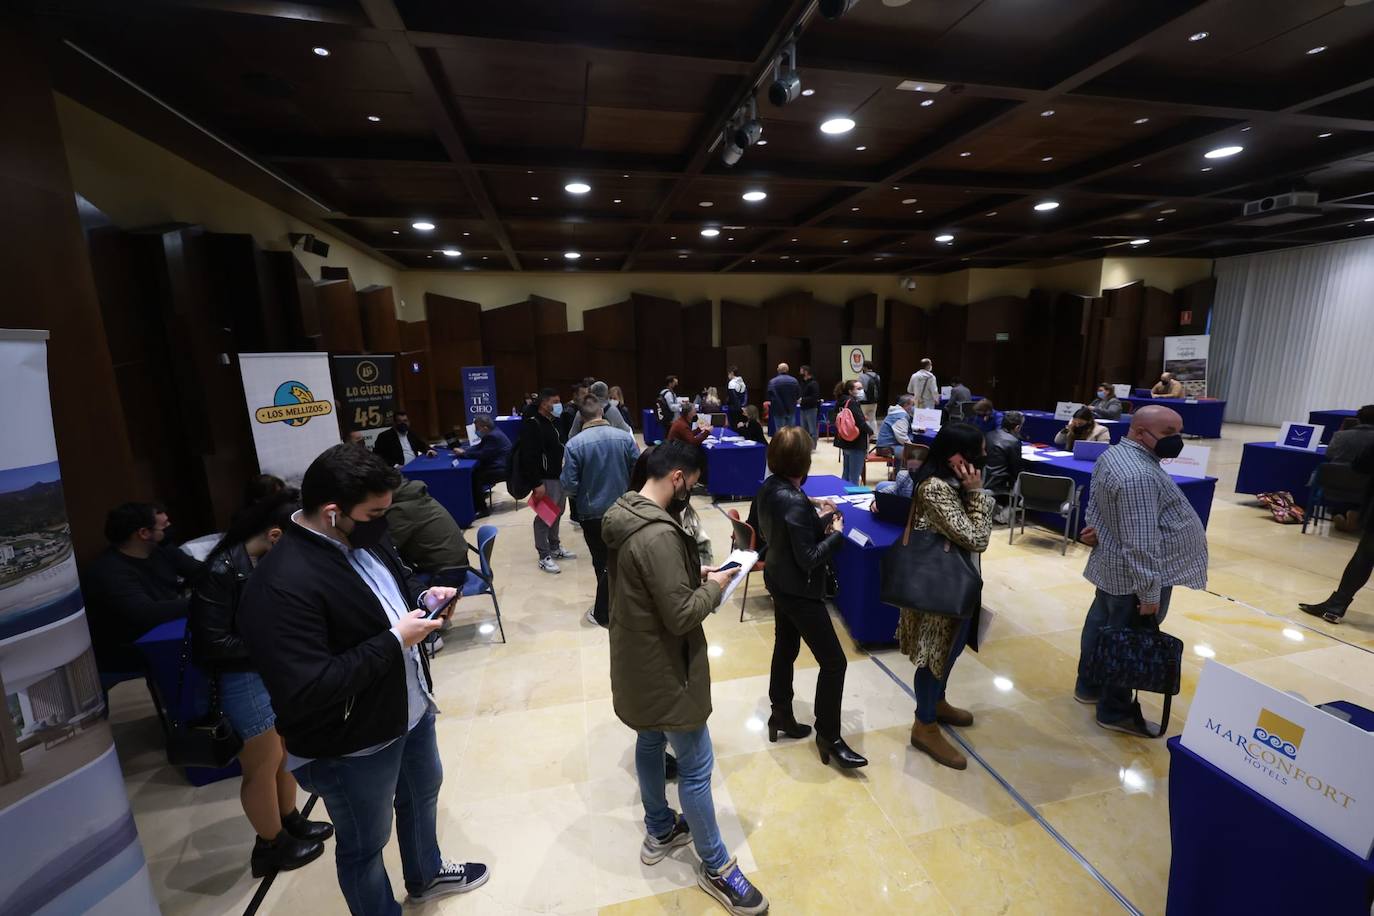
(482, 582)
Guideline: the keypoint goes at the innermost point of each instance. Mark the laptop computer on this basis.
(1089, 451)
(891, 507)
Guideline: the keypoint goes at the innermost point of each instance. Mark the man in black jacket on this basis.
(810, 404)
(136, 584)
(399, 445)
(1004, 458)
(540, 453)
(331, 621)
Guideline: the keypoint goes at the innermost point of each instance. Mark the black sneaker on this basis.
(655, 849)
(453, 878)
(1132, 724)
(733, 890)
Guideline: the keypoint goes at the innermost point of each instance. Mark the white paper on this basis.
(985, 619)
(1056, 453)
(945, 390)
(858, 537)
(925, 418)
(746, 560)
(1034, 458)
(472, 435)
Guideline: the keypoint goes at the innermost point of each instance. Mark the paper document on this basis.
(1029, 457)
(1055, 453)
(746, 560)
(545, 508)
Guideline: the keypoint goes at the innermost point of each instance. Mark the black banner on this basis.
(365, 387)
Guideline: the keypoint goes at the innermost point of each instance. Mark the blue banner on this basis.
(479, 392)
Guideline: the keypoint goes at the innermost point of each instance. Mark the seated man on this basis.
(1347, 445)
(492, 454)
(426, 536)
(1106, 406)
(399, 445)
(896, 429)
(134, 585)
(1004, 458)
(985, 416)
(1167, 387)
(683, 429)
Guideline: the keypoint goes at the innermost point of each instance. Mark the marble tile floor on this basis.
(539, 772)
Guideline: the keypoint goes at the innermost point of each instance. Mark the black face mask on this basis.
(402, 428)
(367, 534)
(1169, 446)
(679, 502)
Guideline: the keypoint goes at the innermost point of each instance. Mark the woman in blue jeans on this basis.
(950, 499)
(286, 840)
(849, 398)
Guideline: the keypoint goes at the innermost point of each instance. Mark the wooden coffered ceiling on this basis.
(485, 111)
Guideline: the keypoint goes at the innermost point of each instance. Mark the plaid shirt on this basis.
(1148, 534)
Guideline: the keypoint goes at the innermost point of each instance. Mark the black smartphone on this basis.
(826, 519)
(727, 566)
(431, 615)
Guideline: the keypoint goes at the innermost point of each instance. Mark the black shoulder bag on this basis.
(207, 741)
(926, 572)
(1139, 658)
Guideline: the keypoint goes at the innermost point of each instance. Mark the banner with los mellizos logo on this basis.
(291, 409)
(366, 389)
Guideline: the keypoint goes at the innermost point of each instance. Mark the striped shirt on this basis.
(1148, 534)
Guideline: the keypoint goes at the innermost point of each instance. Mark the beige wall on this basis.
(137, 183)
(1167, 274)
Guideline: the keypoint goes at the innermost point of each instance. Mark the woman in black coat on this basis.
(750, 427)
(286, 840)
(849, 397)
(800, 543)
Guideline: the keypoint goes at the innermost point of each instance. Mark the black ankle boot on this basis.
(844, 755)
(788, 725)
(1331, 610)
(302, 829)
(283, 854)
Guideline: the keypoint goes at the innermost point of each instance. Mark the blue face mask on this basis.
(558, 409)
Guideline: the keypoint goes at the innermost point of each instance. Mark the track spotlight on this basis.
(786, 84)
(834, 9)
(749, 128)
(730, 153)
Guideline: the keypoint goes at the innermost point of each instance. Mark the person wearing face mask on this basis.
(849, 399)
(1083, 427)
(1106, 406)
(609, 402)
(332, 621)
(540, 453)
(617, 404)
(660, 670)
(1146, 539)
(491, 451)
(895, 431)
(949, 499)
(285, 839)
(399, 445)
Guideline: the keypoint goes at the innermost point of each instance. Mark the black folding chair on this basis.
(1043, 493)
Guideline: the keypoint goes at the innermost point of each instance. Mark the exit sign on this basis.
(1003, 336)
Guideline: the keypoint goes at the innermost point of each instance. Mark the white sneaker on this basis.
(549, 566)
(590, 617)
(563, 553)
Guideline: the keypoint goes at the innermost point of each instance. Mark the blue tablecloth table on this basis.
(648, 424)
(735, 467)
(822, 419)
(1329, 420)
(1202, 418)
(449, 481)
(1266, 468)
(511, 427)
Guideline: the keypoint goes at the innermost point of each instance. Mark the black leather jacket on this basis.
(798, 547)
(1004, 461)
(215, 641)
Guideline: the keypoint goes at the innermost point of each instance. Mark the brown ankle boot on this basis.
(930, 739)
(952, 715)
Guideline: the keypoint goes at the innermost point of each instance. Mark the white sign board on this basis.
(1299, 435)
(1121, 391)
(1191, 462)
(945, 390)
(1065, 410)
(290, 408)
(1308, 762)
(925, 418)
(852, 359)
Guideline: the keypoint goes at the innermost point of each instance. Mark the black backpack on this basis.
(516, 484)
(662, 410)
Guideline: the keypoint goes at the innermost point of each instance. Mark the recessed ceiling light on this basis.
(754, 196)
(467, 233)
(422, 226)
(909, 200)
(944, 238)
(837, 126)
(993, 213)
(761, 143)
(860, 149)
(926, 103)
(1369, 219)
(853, 209)
(373, 118)
(429, 257)
(534, 197)
(1046, 158)
(672, 238)
(395, 231)
(1170, 210)
(794, 240)
(845, 242)
(1323, 136)
(451, 252)
(616, 201)
(572, 255)
(786, 257)
(730, 238)
(1137, 165)
(1045, 205)
(1159, 219)
(577, 187)
(484, 257)
(1207, 168)
(1139, 242)
(1244, 129)
(1142, 120)
(681, 256)
(965, 154)
(706, 203)
(808, 92)
(920, 211)
(321, 52)
(1047, 113)
(1222, 152)
(1317, 50)
(1198, 36)
(710, 233)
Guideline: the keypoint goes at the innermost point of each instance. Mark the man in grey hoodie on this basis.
(602, 393)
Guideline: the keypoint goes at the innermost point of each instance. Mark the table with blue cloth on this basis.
(649, 425)
(1202, 417)
(1330, 421)
(822, 419)
(1268, 468)
(161, 648)
(449, 481)
(1235, 851)
(510, 426)
(859, 569)
(1041, 426)
(734, 466)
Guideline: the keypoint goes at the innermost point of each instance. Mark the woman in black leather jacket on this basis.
(286, 840)
(800, 543)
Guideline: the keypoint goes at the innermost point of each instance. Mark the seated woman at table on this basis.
(708, 401)
(801, 543)
(1107, 406)
(286, 840)
(849, 398)
(950, 500)
(1083, 427)
(750, 427)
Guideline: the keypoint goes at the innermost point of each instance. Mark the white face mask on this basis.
(614, 402)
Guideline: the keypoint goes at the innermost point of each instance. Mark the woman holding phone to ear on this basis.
(800, 543)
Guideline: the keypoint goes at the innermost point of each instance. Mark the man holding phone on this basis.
(333, 622)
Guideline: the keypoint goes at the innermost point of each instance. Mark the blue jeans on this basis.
(1111, 611)
(852, 460)
(809, 422)
(694, 764)
(930, 689)
(360, 793)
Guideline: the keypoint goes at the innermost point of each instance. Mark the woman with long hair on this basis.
(950, 500)
(751, 427)
(617, 399)
(800, 543)
(849, 398)
(286, 840)
(1082, 428)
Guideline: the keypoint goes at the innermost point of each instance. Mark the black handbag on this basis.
(928, 573)
(1139, 658)
(208, 741)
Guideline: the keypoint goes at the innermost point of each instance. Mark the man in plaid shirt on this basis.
(1146, 538)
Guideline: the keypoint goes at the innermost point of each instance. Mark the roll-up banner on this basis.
(291, 409)
(67, 839)
(1186, 358)
(366, 389)
(479, 394)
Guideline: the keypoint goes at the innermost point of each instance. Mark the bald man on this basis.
(924, 387)
(783, 393)
(1167, 387)
(1146, 539)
